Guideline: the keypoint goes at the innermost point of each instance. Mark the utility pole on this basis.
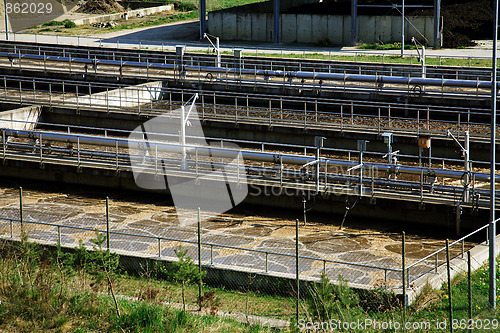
(215, 46)
(318, 140)
(421, 56)
(361, 148)
(492, 227)
(466, 153)
(6, 20)
(184, 120)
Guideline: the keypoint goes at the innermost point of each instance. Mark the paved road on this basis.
(187, 33)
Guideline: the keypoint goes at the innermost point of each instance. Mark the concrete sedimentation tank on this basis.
(324, 22)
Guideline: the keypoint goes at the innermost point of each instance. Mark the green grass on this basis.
(44, 290)
(158, 21)
(186, 10)
(386, 46)
(189, 10)
(389, 59)
(439, 307)
(215, 4)
(66, 23)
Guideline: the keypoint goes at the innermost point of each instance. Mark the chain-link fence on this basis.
(252, 282)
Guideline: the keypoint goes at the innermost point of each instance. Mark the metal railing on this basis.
(316, 113)
(264, 146)
(249, 61)
(250, 50)
(161, 244)
(434, 256)
(160, 241)
(228, 74)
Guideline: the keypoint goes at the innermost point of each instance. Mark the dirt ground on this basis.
(90, 30)
(464, 20)
(100, 7)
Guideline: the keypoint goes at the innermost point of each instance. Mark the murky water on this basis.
(372, 243)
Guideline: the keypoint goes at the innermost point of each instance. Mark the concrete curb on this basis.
(122, 15)
(479, 256)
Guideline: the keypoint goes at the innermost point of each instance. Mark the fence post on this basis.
(107, 222)
(403, 270)
(41, 150)
(199, 258)
(21, 210)
(297, 269)
(449, 283)
(470, 288)
(159, 247)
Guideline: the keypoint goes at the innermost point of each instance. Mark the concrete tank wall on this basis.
(308, 28)
(122, 97)
(24, 118)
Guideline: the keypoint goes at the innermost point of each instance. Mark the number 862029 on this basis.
(28, 8)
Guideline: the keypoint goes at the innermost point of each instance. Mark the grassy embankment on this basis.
(183, 10)
(52, 290)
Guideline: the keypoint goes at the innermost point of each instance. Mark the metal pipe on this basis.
(279, 73)
(245, 154)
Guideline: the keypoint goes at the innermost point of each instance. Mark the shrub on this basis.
(69, 24)
(52, 23)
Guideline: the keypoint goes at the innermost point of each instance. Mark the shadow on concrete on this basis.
(182, 31)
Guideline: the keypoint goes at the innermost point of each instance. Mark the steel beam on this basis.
(354, 21)
(276, 20)
(203, 19)
(437, 24)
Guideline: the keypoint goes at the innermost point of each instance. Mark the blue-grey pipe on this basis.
(375, 79)
(245, 154)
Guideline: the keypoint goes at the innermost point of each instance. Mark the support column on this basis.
(276, 20)
(492, 226)
(403, 28)
(6, 20)
(203, 19)
(354, 21)
(437, 24)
